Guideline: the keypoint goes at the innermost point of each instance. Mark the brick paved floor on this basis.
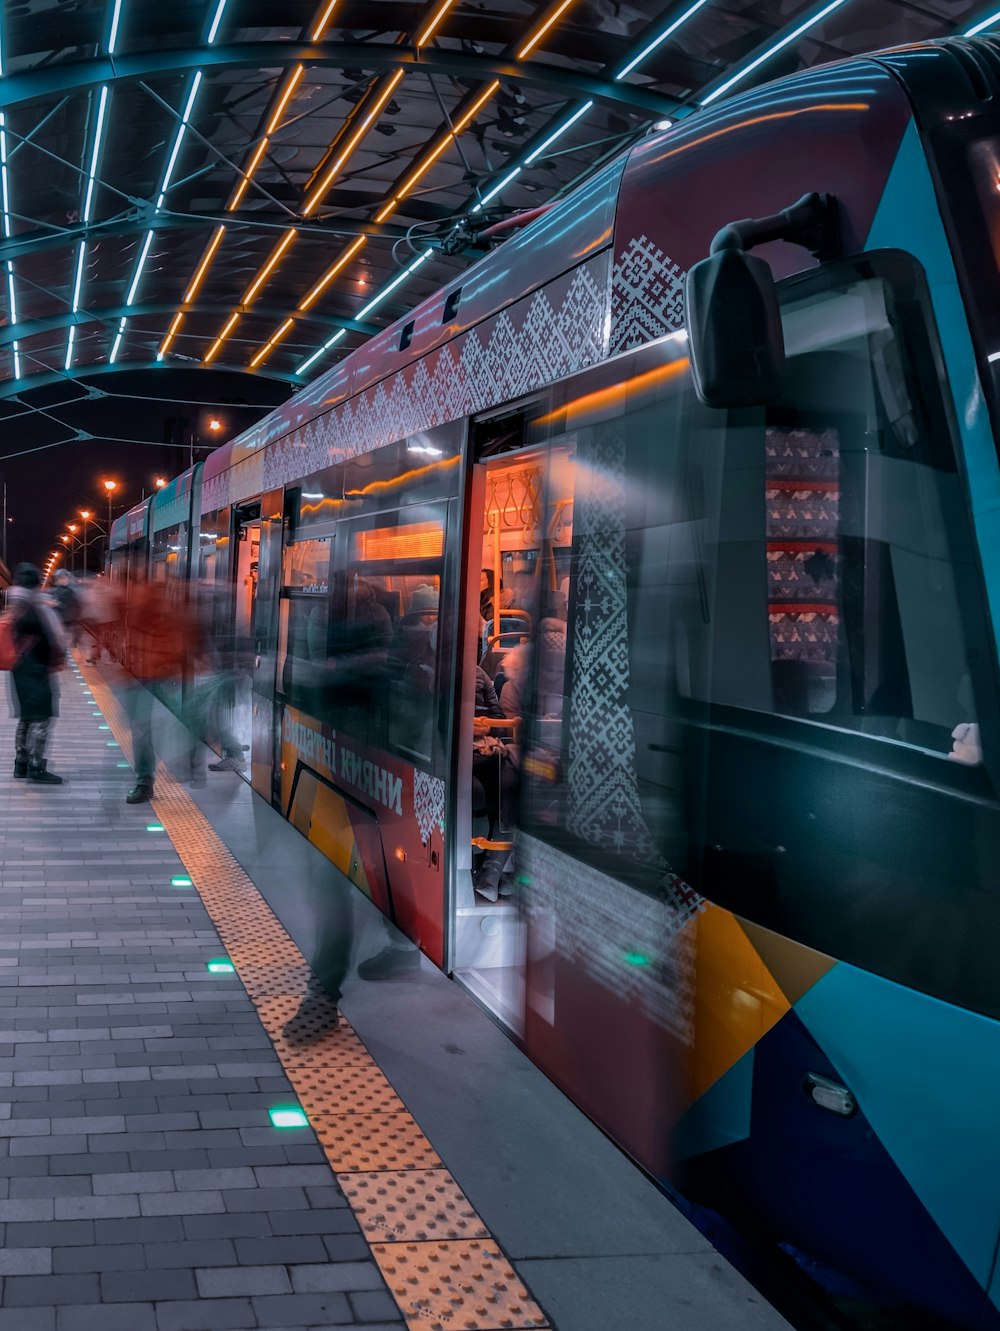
(142, 1186)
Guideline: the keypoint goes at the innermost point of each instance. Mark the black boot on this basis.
(140, 794)
(21, 763)
(40, 774)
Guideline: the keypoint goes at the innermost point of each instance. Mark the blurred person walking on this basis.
(162, 640)
(68, 605)
(40, 647)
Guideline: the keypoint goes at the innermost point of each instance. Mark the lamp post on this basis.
(86, 514)
(110, 487)
(72, 528)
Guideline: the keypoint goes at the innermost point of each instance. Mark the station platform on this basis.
(191, 1140)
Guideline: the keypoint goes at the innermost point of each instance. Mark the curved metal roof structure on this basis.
(258, 185)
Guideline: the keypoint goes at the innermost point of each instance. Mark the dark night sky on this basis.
(46, 488)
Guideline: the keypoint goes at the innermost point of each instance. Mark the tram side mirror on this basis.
(734, 330)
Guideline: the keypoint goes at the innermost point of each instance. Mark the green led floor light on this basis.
(155, 827)
(121, 764)
(103, 727)
(288, 1116)
(221, 966)
(113, 744)
(181, 880)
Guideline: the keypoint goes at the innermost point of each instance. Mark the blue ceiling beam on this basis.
(79, 75)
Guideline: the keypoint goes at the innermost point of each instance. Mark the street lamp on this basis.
(159, 482)
(110, 487)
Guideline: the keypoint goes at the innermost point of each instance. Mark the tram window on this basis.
(304, 624)
(866, 541)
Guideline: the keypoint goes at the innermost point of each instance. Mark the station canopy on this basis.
(259, 185)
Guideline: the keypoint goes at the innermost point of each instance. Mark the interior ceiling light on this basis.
(982, 25)
(213, 350)
(311, 297)
(554, 14)
(88, 199)
(769, 51)
(431, 157)
(320, 29)
(291, 83)
(435, 22)
(113, 34)
(354, 138)
(5, 202)
(220, 6)
(192, 290)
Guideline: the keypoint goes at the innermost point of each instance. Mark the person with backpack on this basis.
(32, 647)
(68, 605)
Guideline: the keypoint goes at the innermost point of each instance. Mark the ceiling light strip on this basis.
(202, 269)
(275, 339)
(660, 38)
(5, 202)
(247, 176)
(439, 14)
(982, 25)
(320, 28)
(539, 33)
(113, 34)
(769, 51)
(443, 143)
(213, 350)
(251, 291)
(88, 198)
(219, 10)
(291, 83)
(352, 142)
(275, 255)
(171, 334)
(312, 296)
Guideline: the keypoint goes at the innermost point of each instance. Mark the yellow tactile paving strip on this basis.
(437, 1257)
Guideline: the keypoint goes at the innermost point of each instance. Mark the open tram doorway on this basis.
(518, 565)
(246, 566)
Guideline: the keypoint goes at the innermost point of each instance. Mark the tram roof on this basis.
(247, 183)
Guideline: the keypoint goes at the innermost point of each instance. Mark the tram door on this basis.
(247, 527)
(265, 637)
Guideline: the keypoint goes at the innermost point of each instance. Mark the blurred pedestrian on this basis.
(41, 647)
(162, 641)
(68, 604)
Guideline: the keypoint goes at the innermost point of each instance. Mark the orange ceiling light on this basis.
(313, 296)
(352, 142)
(275, 255)
(321, 23)
(171, 334)
(275, 339)
(435, 23)
(202, 268)
(291, 83)
(552, 17)
(442, 144)
(247, 176)
(214, 349)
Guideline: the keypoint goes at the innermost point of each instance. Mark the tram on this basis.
(753, 907)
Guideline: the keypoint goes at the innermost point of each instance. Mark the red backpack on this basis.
(10, 653)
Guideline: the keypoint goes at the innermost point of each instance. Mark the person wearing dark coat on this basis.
(40, 641)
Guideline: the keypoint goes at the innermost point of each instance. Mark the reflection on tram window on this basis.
(812, 563)
(359, 632)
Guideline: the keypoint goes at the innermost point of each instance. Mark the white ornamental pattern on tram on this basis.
(647, 296)
(428, 803)
(519, 350)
